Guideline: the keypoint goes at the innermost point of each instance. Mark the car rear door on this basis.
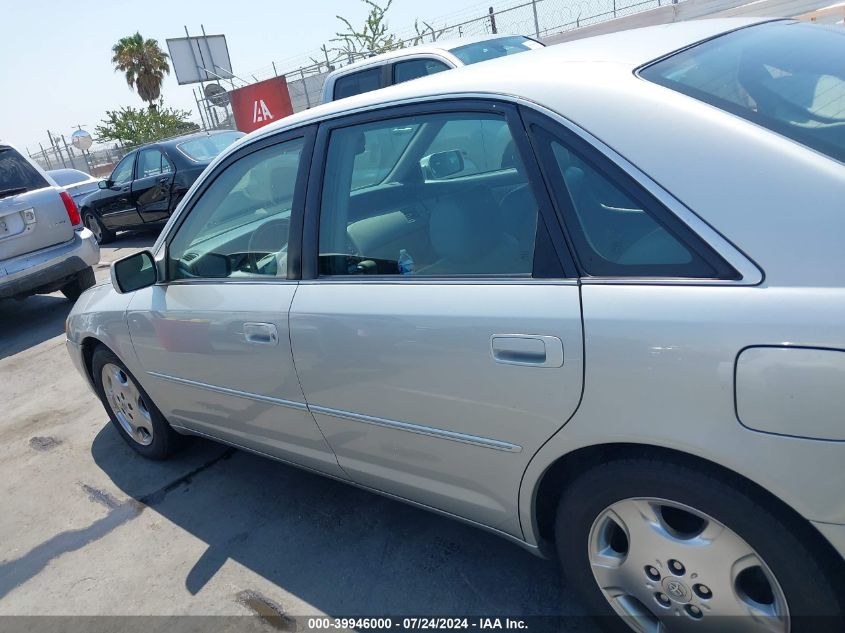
(32, 214)
(152, 186)
(439, 384)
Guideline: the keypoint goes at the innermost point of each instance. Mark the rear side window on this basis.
(786, 76)
(357, 83)
(430, 216)
(17, 175)
(616, 229)
(416, 68)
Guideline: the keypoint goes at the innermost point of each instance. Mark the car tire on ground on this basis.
(83, 280)
(131, 410)
(671, 544)
(102, 234)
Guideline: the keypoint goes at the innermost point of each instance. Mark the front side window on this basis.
(617, 231)
(453, 202)
(415, 68)
(239, 225)
(358, 83)
(122, 174)
(786, 76)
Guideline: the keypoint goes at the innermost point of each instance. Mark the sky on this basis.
(55, 56)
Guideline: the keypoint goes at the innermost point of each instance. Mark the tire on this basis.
(83, 280)
(102, 234)
(693, 508)
(131, 410)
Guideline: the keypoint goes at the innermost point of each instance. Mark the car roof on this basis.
(530, 74)
(171, 143)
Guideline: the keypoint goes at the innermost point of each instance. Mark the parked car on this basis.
(77, 183)
(405, 64)
(601, 316)
(43, 245)
(148, 183)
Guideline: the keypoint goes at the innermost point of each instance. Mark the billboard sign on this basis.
(258, 104)
(203, 58)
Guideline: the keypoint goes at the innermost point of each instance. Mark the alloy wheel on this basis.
(94, 226)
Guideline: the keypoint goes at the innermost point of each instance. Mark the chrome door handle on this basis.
(527, 349)
(261, 333)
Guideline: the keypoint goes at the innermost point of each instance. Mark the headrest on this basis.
(465, 225)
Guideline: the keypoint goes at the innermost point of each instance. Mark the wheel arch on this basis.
(565, 469)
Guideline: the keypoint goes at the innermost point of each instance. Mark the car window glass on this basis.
(166, 166)
(149, 163)
(491, 49)
(613, 232)
(786, 76)
(239, 225)
(16, 174)
(481, 222)
(357, 83)
(122, 174)
(414, 68)
(382, 147)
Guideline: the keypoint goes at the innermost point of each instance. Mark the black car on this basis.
(147, 184)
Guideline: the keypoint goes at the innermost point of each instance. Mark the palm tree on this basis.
(144, 64)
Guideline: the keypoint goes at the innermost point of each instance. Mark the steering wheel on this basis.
(265, 243)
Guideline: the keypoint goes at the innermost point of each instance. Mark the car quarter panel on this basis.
(660, 371)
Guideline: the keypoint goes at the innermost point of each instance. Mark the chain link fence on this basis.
(306, 73)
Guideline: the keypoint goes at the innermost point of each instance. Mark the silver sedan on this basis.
(589, 298)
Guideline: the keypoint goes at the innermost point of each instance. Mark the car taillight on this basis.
(70, 207)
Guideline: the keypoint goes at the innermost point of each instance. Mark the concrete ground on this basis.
(87, 527)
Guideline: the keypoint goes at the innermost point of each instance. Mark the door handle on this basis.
(163, 179)
(261, 333)
(527, 349)
(126, 188)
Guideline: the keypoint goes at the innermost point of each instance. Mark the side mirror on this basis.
(442, 164)
(134, 272)
(104, 184)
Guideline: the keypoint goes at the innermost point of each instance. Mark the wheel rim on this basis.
(664, 566)
(94, 226)
(127, 404)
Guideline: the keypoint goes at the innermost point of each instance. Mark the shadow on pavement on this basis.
(25, 324)
(341, 549)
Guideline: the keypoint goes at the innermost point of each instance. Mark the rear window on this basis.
(17, 175)
(65, 177)
(786, 76)
(491, 49)
(204, 148)
(358, 83)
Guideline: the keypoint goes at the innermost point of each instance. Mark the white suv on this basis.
(43, 245)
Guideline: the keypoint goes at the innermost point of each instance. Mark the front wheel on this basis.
(130, 409)
(655, 546)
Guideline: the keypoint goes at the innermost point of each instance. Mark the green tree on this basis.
(144, 65)
(135, 126)
(372, 37)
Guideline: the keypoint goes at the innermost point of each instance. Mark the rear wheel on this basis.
(101, 233)
(664, 547)
(130, 409)
(83, 280)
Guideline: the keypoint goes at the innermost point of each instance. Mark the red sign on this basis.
(258, 104)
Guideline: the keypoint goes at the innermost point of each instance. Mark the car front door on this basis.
(437, 329)
(152, 185)
(213, 337)
(114, 204)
